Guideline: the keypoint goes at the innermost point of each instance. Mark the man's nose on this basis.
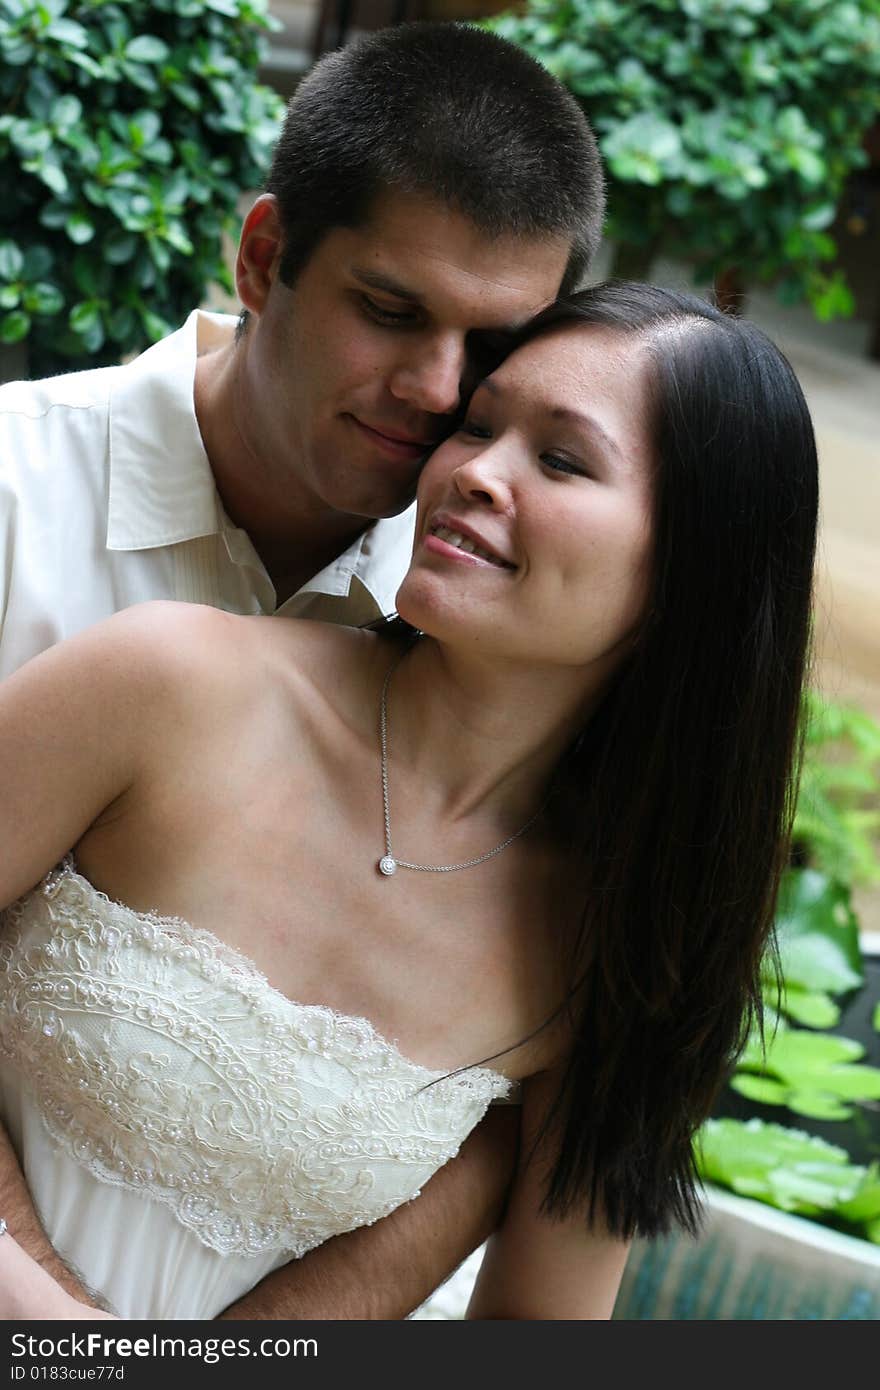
(429, 376)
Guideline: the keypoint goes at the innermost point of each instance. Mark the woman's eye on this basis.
(558, 464)
(380, 314)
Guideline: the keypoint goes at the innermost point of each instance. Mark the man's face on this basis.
(353, 373)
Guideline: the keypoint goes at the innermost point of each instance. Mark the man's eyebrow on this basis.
(563, 412)
(386, 283)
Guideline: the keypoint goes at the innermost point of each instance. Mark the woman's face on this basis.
(534, 519)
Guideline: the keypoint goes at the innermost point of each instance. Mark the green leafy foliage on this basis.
(838, 813)
(728, 127)
(128, 130)
(818, 941)
(814, 1074)
(791, 1170)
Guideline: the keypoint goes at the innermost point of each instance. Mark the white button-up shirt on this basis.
(107, 499)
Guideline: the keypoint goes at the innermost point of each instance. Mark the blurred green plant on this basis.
(128, 130)
(793, 1171)
(814, 1073)
(838, 814)
(728, 127)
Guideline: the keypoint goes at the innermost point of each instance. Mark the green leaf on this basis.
(875, 1020)
(146, 48)
(88, 64)
(84, 316)
(778, 1165)
(808, 164)
(816, 1105)
(818, 933)
(14, 327)
(758, 1146)
(89, 275)
(49, 170)
(10, 296)
(66, 112)
(17, 55)
(864, 1205)
(159, 151)
(155, 325)
(79, 228)
(187, 95)
(11, 260)
(177, 237)
(159, 252)
(141, 75)
(31, 139)
(811, 1187)
(122, 326)
(146, 125)
(813, 1009)
(855, 1083)
(796, 1055)
(760, 1088)
(44, 298)
(68, 33)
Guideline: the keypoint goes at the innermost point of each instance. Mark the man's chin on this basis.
(370, 509)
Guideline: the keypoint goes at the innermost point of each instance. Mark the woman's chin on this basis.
(418, 606)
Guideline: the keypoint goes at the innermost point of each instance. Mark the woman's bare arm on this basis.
(74, 726)
(537, 1267)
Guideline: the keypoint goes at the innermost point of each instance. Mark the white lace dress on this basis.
(184, 1128)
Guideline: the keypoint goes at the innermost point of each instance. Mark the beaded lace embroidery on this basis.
(163, 1061)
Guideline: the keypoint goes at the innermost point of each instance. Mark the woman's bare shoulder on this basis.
(316, 655)
(186, 638)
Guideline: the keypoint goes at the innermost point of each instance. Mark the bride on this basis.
(309, 899)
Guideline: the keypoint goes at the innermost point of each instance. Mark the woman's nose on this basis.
(484, 477)
(429, 377)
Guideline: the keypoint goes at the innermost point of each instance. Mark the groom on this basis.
(432, 189)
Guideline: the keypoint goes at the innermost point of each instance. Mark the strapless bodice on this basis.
(162, 1062)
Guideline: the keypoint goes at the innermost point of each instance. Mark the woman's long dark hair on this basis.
(676, 801)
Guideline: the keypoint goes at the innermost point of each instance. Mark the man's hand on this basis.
(21, 1218)
(387, 1270)
(28, 1293)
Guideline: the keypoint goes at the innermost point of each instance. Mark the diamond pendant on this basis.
(387, 864)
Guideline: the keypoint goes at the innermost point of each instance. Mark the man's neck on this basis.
(295, 537)
(290, 565)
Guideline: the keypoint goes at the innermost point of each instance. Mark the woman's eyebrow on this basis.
(377, 281)
(562, 412)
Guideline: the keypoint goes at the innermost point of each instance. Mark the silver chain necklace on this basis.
(389, 863)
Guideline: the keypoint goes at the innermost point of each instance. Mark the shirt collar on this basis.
(379, 558)
(162, 489)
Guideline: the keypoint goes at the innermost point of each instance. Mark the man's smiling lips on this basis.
(396, 445)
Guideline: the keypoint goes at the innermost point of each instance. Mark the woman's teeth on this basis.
(463, 543)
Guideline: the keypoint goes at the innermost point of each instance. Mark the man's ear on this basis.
(259, 253)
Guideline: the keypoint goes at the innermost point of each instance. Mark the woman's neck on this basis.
(480, 739)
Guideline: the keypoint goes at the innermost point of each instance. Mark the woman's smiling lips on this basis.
(398, 446)
(458, 541)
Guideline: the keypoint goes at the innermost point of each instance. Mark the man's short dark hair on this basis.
(449, 111)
